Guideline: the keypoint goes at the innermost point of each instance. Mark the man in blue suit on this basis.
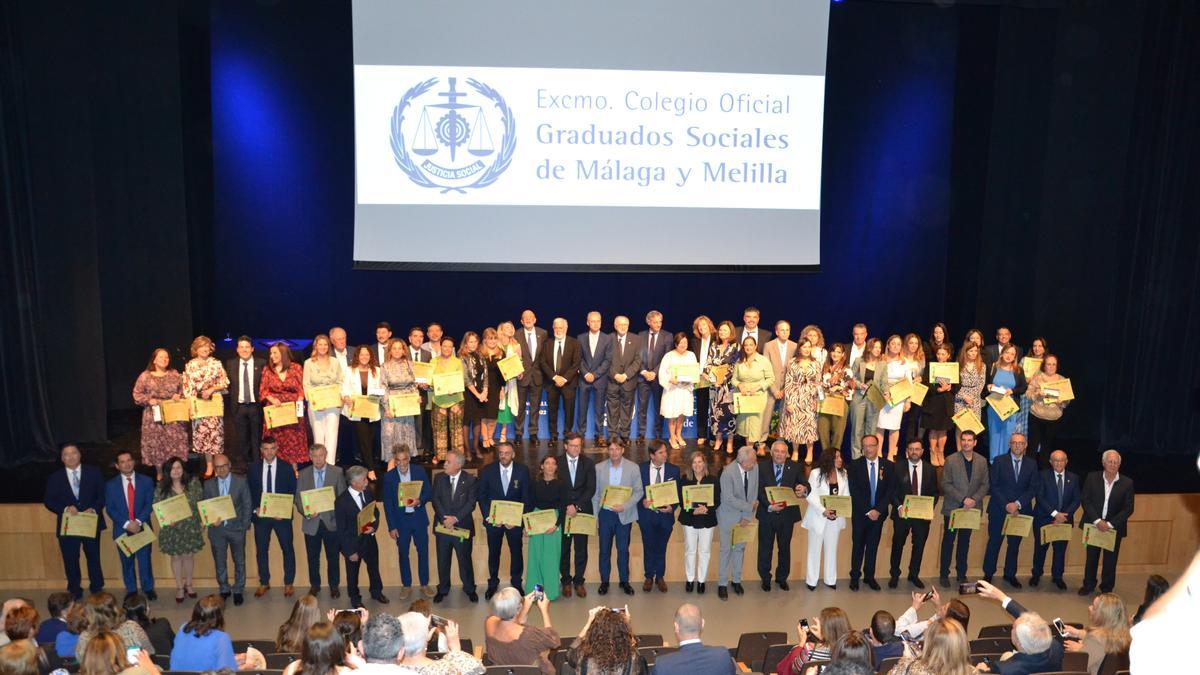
(656, 523)
(127, 499)
(693, 655)
(596, 349)
(655, 344)
(1057, 500)
(77, 489)
(1013, 479)
(508, 481)
(271, 474)
(408, 523)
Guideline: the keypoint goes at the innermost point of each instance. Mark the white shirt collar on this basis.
(693, 641)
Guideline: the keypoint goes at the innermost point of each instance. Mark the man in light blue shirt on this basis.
(229, 536)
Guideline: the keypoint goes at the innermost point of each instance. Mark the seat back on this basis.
(650, 640)
(977, 659)
(753, 646)
(513, 670)
(1114, 662)
(991, 645)
(281, 660)
(886, 665)
(1002, 630)
(651, 654)
(1075, 661)
(775, 654)
(264, 645)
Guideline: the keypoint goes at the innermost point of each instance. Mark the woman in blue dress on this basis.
(1006, 379)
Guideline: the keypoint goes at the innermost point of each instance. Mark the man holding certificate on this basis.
(320, 529)
(357, 515)
(128, 499)
(579, 474)
(559, 363)
(77, 489)
(739, 490)
(273, 476)
(916, 478)
(1013, 479)
(777, 517)
(406, 490)
(506, 483)
(1107, 500)
(964, 485)
(228, 535)
(455, 493)
(618, 490)
(656, 511)
(1057, 496)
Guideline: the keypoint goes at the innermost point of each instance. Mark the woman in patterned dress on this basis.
(447, 408)
(801, 382)
(397, 377)
(157, 383)
(722, 352)
(181, 540)
(283, 382)
(971, 375)
(204, 376)
(508, 395)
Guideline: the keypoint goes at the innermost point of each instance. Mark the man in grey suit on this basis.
(230, 534)
(616, 521)
(693, 655)
(779, 352)
(529, 383)
(321, 529)
(739, 491)
(455, 494)
(964, 485)
(623, 376)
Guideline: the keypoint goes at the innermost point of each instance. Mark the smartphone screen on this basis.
(131, 655)
(968, 588)
(928, 597)
(1060, 627)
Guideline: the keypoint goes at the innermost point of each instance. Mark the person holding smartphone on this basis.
(510, 641)
(946, 651)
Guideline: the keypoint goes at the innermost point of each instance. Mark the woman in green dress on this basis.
(183, 539)
(545, 550)
(752, 375)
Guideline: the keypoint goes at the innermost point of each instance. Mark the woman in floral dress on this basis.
(397, 377)
(801, 382)
(202, 377)
(971, 375)
(181, 540)
(722, 352)
(283, 382)
(157, 383)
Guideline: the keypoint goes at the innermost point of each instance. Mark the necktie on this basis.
(224, 485)
(1016, 468)
(247, 397)
(320, 475)
(658, 475)
(1058, 479)
(916, 483)
(453, 485)
(504, 479)
(270, 480)
(873, 481)
(778, 474)
(362, 500)
(75, 482)
(558, 355)
(129, 498)
(653, 339)
(746, 483)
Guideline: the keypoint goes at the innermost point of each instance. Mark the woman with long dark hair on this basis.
(824, 525)
(607, 645)
(183, 539)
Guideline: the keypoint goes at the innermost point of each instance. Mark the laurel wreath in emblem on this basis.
(487, 177)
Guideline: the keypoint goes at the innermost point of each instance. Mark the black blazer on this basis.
(793, 475)
(860, 487)
(233, 369)
(1120, 502)
(1018, 390)
(461, 504)
(902, 485)
(91, 494)
(568, 365)
(709, 519)
(764, 336)
(530, 360)
(580, 494)
(345, 510)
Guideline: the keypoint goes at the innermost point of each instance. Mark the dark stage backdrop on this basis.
(181, 168)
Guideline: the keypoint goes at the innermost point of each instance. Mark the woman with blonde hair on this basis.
(106, 655)
(704, 334)
(752, 375)
(396, 377)
(816, 641)
(490, 352)
(204, 376)
(894, 367)
(947, 651)
(322, 370)
(801, 384)
(507, 401)
(914, 355)
(157, 383)
(1107, 632)
(813, 334)
(972, 372)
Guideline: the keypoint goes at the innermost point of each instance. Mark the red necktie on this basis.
(129, 498)
(916, 486)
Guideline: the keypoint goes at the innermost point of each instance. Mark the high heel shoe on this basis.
(179, 597)
(191, 592)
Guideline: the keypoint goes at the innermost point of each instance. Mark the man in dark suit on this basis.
(529, 384)
(455, 493)
(320, 530)
(693, 655)
(271, 474)
(416, 338)
(902, 525)
(229, 535)
(1036, 649)
(509, 481)
(776, 521)
(1107, 500)
(579, 473)
(128, 498)
(1057, 500)
(358, 545)
(245, 376)
(871, 478)
(559, 363)
(595, 359)
(623, 378)
(750, 318)
(654, 343)
(77, 489)
(1013, 479)
(383, 335)
(656, 523)
(991, 353)
(408, 523)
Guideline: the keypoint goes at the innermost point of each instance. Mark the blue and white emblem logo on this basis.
(453, 140)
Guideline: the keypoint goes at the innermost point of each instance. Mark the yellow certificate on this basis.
(506, 513)
(1092, 536)
(364, 407)
(1017, 525)
(280, 415)
(211, 407)
(901, 391)
(917, 507)
(445, 384)
(324, 397)
(841, 505)
(694, 495)
(721, 373)
(175, 411)
(404, 405)
(172, 510)
(944, 371)
(511, 366)
(1030, 365)
(584, 524)
(663, 494)
(833, 405)
(422, 371)
(217, 509)
(459, 532)
(1061, 532)
(366, 517)
(918, 393)
(541, 522)
(615, 495)
(741, 534)
(275, 505)
(966, 420)
(317, 501)
(686, 372)
(783, 495)
(750, 404)
(1003, 406)
(1058, 391)
(875, 396)
(965, 519)
(132, 543)
(79, 524)
(409, 492)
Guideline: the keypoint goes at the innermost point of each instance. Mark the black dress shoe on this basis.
(225, 595)
(334, 592)
(314, 590)
(438, 598)
(916, 581)
(487, 595)
(473, 596)
(151, 596)
(627, 588)
(1012, 581)
(238, 599)
(1034, 581)
(687, 588)
(832, 587)
(737, 588)
(783, 585)
(700, 588)
(516, 438)
(603, 590)
(810, 587)
(987, 578)
(1060, 584)
(722, 593)
(766, 585)
(872, 584)
(944, 581)
(533, 438)
(854, 584)
(380, 598)
(893, 582)
(356, 603)
(1086, 591)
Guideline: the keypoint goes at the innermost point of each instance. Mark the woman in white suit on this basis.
(363, 380)
(827, 478)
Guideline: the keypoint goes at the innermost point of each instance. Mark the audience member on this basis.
(1016, 610)
(105, 655)
(853, 647)
(158, 629)
(9, 605)
(1107, 631)
(382, 642)
(58, 604)
(438, 642)
(1156, 587)
(607, 645)
(202, 643)
(954, 609)
(21, 623)
(100, 612)
(349, 623)
(882, 635)
(323, 652)
(816, 641)
(512, 643)
(946, 652)
(1032, 639)
(417, 634)
(305, 613)
(1160, 641)
(65, 643)
(693, 655)
(19, 658)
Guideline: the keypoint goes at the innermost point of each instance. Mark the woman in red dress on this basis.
(283, 382)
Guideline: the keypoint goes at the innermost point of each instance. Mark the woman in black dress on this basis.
(493, 383)
(698, 523)
(475, 379)
(938, 410)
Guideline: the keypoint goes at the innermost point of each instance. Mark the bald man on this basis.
(693, 656)
(1107, 500)
(1057, 495)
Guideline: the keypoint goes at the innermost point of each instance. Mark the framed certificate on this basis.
(583, 524)
(917, 507)
(175, 411)
(694, 495)
(317, 501)
(445, 384)
(541, 522)
(210, 407)
(965, 519)
(409, 492)
(275, 505)
(506, 513)
(510, 367)
(944, 371)
(324, 397)
(783, 495)
(79, 524)
(404, 405)
(280, 415)
(172, 510)
(217, 509)
(422, 371)
(749, 404)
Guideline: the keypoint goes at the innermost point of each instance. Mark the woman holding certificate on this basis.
(722, 354)
(324, 413)
(204, 376)
(894, 368)
(825, 524)
(801, 382)
(476, 394)
(181, 539)
(363, 380)
(698, 520)
(1006, 381)
(447, 406)
(752, 377)
(1044, 413)
(914, 354)
(971, 375)
(396, 377)
(161, 440)
(862, 405)
(283, 382)
(1031, 364)
(507, 401)
(545, 550)
(835, 384)
(678, 372)
(939, 408)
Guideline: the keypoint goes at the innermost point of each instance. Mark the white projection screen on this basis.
(580, 135)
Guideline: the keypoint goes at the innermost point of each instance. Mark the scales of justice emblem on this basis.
(445, 140)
